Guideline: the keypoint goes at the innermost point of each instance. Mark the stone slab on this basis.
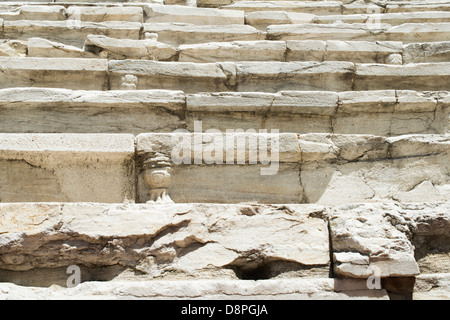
(81, 74)
(165, 241)
(51, 110)
(67, 167)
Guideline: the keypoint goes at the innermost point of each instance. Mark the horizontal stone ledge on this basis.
(434, 286)
(262, 19)
(81, 74)
(67, 167)
(330, 7)
(364, 165)
(234, 241)
(312, 7)
(99, 46)
(421, 76)
(383, 113)
(175, 241)
(156, 13)
(292, 50)
(290, 102)
(407, 32)
(370, 239)
(32, 11)
(102, 14)
(184, 33)
(296, 289)
(70, 32)
(388, 18)
(228, 76)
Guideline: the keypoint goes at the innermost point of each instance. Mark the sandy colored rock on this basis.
(38, 47)
(298, 289)
(55, 72)
(233, 51)
(183, 33)
(102, 14)
(202, 16)
(66, 168)
(148, 49)
(116, 236)
(60, 110)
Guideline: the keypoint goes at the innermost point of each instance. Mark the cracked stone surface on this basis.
(176, 241)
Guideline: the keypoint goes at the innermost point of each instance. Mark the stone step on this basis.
(77, 74)
(384, 113)
(100, 74)
(286, 248)
(329, 7)
(70, 32)
(407, 32)
(74, 32)
(263, 19)
(184, 33)
(96, 46)
(156, 13)
(283, 289)
(66, 167)
(317, 168)
(276, 167)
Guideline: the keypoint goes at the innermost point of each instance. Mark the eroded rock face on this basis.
(176, 241)
(391, 240)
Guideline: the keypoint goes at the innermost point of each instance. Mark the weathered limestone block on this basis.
(233, 51)
(388, 113)
(322, 103)
(38, 47)
(178, 241)
(183, 33)
(263, 19)
(432, 287)
(296, 289)
(81, 74)
(113, 48)
(258, 102)
(74, 168)
(70, 32)
(35, 12)
(196, 172)
(415, 6)
(352, 102)
(419, 32)
(60, 110)
(383, 112)
(427, 52)
(362, 51)
(389, 18)
(335, 50)
(407, 32)
(212, 3)
(369, 168)
(336, 31)
(422, 76)
(13, 48)
(277, 76)
(185, 76)
(312, 7)
(101, 14)
(201, 16)
(427, 225)
(365, 243)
